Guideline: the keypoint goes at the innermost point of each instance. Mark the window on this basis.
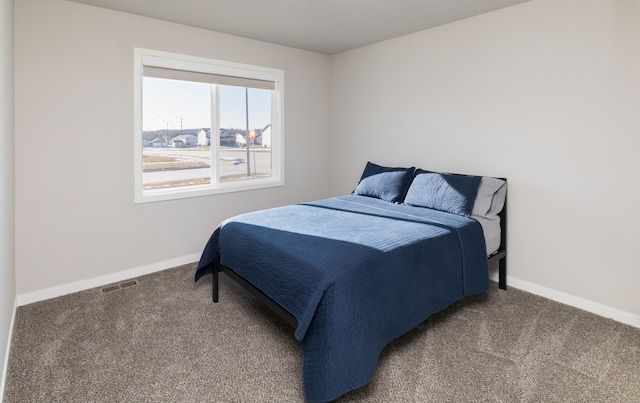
(205, 126)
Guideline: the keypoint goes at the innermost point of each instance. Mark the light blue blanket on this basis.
(356, 272)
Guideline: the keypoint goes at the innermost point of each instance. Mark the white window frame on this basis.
(154, 58)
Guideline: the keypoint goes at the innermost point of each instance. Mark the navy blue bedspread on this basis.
(356, 272)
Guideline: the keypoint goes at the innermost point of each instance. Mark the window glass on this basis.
(176, 128)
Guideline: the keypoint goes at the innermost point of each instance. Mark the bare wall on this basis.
(546, 93)
(75, 216)
(7, 272)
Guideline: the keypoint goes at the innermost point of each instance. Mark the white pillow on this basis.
(490, 197)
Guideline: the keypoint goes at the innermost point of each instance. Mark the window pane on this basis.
(242, 156)
(176, 119)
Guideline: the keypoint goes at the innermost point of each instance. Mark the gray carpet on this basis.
(165, 341)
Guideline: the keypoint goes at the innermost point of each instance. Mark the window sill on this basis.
(150, 196)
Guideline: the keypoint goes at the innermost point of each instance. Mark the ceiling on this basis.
(323, 26)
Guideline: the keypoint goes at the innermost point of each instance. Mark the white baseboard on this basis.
(5, 363)
(48, 293)
(577, 302)
(564, 298)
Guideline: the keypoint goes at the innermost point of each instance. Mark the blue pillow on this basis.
(384, 183)
(445, 192)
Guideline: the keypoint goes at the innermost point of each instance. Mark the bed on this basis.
(354, 272)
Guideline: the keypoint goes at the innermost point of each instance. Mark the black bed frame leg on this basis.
(215, 283)
(502, 274)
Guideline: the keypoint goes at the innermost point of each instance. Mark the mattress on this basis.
(491, 230)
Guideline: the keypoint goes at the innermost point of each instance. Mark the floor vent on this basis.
(116, 287)
(128, 283)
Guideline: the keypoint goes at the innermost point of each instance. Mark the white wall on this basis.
(546, 93)
(7, 273)
(75, 217)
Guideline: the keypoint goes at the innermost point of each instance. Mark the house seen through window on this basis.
(205, 126)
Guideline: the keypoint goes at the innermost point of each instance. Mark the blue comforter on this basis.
(356, 272)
